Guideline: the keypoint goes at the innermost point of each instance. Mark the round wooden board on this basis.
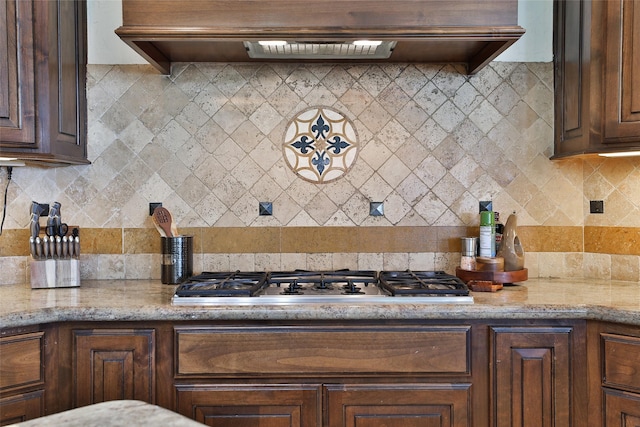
(494, 276)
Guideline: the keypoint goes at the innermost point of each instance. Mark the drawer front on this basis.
(293, 351)
(21, 361)
(621, 361)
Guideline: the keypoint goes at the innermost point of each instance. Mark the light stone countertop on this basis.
(115, 413)
(149, 300)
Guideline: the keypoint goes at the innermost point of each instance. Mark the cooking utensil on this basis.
(160, 230)
(32, 246)
(65, 247)
(34, 226)
(76, 247)
(162, 217)
(38, 248)
(45, 247)
(59, 253)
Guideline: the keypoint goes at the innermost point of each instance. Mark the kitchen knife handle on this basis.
(32, 246)
(65, 247)
(45, 248)
(76, 247)
(59, 247)
(38, 248)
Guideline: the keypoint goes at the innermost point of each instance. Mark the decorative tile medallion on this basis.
(320, 145)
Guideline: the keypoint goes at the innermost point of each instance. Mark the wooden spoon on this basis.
(160, 230)
(162, 217)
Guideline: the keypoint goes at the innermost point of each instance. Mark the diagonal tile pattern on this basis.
(207, 142)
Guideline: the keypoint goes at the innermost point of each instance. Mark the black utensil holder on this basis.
(177, 259)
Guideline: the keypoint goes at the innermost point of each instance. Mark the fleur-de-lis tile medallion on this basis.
(320, 145)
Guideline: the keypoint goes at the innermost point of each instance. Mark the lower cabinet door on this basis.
(398, 405)
(295, 405)
(621, 409)
(113, 364)
(21, 407)
(532, 380)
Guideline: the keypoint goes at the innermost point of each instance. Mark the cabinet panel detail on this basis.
(531, 377)
(21, 407)
(17, 97)
(113, 364)
(621, 409)
(622, 84)
(291, 351)
(22, 361)
(251, 405)
(399, 405)
(621, 361)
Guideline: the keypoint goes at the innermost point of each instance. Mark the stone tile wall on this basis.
(207, 142)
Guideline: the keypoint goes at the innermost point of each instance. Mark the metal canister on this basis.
(177, 259)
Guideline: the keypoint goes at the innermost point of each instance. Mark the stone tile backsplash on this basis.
(206, 141)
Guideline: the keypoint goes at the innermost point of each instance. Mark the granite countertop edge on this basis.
(147, 300)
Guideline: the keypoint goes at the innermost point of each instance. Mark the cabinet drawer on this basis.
(21, 363)
(305, 351)
(621, 361)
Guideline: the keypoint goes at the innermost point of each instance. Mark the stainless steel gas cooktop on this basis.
(341, 286)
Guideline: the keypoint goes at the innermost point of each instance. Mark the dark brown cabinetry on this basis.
(262, 405)
(615, 362)
(316, 375)
(597, 76)
(534, 379)
(111, 364)
(21, 377)
(43, 81)
(390, 405)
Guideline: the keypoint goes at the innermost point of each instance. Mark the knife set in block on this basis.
(55, 256)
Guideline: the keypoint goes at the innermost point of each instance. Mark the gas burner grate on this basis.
(422, 283)
(296, 281)
(223, 284)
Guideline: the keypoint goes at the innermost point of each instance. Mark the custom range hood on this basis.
(472, 32)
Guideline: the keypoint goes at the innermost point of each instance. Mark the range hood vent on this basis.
(282, 49)
(471, 32)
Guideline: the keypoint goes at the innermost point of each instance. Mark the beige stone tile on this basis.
(241, 262)
(370, 261)
(111, 267)
(597, 265)
(395, 261)
(342, 260)
(422, 261)
(625, 267)
(142, 266)
(14, 270)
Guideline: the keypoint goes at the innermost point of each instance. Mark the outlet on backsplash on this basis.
(596, 206)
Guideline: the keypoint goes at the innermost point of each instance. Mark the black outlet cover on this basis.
(45, 209)
(153, 206)
(596, 206)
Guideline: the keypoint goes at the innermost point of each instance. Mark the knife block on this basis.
(55, 273)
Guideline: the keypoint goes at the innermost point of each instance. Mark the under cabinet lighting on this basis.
(367, 42)
(10, 161)
(272, 42)
(621, 154)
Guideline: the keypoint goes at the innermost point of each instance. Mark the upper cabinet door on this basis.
(597, 76)
(622, 71)
(17, 75)
(43, 59)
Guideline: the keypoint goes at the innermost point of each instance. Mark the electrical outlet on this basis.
(153, 206)
(596, 206)
(45, 209)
